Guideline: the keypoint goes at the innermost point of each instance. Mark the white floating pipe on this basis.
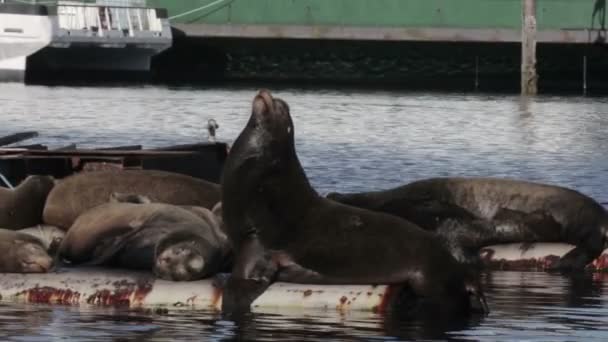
(529, 257)
(133, 289)
(122, 288)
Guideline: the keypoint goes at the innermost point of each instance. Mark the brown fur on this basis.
(76, 194)
(22, 253)
(128, 235)
(22, 206)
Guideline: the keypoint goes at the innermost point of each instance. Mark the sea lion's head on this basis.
(31, 257)
(38, 183)
(183, 257)
(269, 132)
(50, 236)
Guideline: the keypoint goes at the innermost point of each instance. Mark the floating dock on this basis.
(141, 290)
(73, 36)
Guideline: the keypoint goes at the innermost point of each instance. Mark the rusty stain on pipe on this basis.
(138, 290)
(131, 289)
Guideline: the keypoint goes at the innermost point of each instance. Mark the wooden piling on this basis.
(529, 77)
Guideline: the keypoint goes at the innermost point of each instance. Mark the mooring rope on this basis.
(199, 9)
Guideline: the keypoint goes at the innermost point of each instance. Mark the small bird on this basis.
(212, 126)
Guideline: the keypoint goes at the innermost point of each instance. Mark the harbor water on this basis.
(347, 140)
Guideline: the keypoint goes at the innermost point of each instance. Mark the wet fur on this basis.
(283, 230)
(509, 210)
(128, 235)
(22, 206)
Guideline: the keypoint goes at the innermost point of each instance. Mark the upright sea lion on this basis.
(169, 240)
(22, 253)
(75, 194)
(513, 211)
(22, 206)
(283, 230)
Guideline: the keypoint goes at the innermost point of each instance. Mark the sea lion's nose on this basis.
(266, 97)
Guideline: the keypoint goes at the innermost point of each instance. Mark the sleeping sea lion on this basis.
(23, 253)
(508, 210)
(22, 206)
(282, 230)
(49, 236)
(76, 194)
(169, 240)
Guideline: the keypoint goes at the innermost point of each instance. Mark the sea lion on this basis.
(171, 241)
(212, 217)
(23, 253)
(75, 194)
(283, 230)
(49, 236)
(511, 211)
(22, 206)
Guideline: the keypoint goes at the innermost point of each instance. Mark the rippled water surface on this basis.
(347, 141)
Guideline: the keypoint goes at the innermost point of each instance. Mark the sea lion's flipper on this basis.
(519, 226)
(575, 260)
(253, 272)
(240, 293)
(109, 246)
(295, 273)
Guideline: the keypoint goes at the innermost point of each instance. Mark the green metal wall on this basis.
(552, 14)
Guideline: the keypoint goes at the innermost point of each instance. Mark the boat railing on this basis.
(105, 20)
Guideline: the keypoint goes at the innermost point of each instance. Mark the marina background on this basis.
(364, 119)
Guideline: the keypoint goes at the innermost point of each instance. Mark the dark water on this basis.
(347, 141)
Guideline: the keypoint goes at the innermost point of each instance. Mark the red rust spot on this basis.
(343, 300)
(600, 264)
(216, 296)
(389, 294)
(50, 295)
(125, 293)
(369, 294)
(307, 293)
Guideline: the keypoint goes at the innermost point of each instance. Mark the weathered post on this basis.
(528, 48)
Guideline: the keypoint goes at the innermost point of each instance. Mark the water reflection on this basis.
(525, 306)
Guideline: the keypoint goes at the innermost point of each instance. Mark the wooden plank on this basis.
(69, 147)
(122, 148)
(17, 137)
(24, 153)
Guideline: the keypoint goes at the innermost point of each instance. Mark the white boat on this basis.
(73, 35)
(24, 29)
